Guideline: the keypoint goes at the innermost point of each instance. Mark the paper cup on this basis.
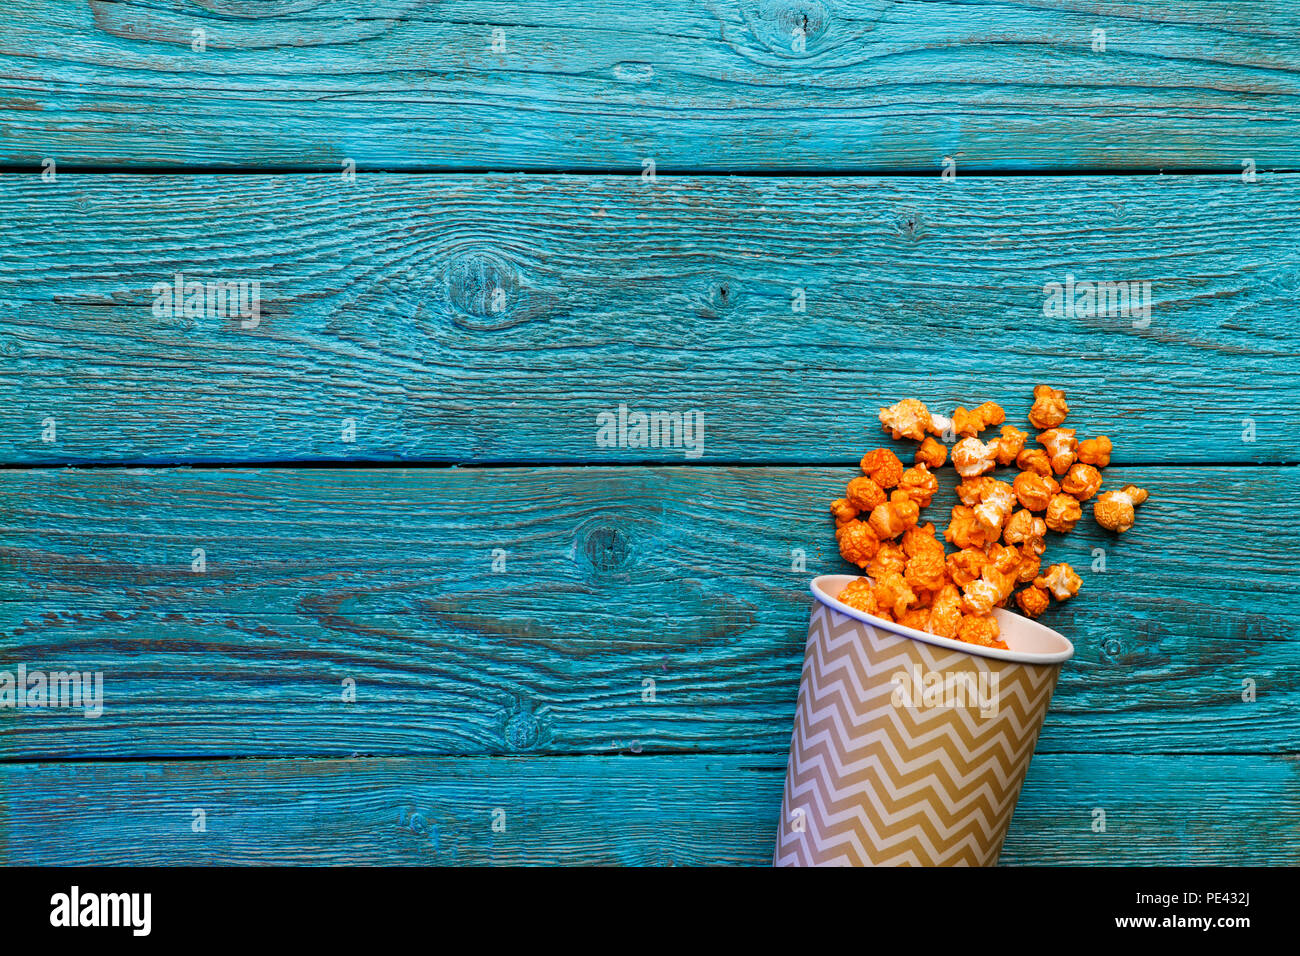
(908, 748)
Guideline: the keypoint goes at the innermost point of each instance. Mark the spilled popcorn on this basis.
(999, 529)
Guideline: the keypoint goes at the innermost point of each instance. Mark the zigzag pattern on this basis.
(870, 783)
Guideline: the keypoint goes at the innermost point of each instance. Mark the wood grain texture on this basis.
(877, 85)
(681, 576)
(682, 810)
(377, 306)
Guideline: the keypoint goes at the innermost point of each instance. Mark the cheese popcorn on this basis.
(864, 494)
(1024, 527)
(1114, 509)
(921, 539)
(1049, 408)
(858, 543)
(1009, 444)
(894, 593)
(1095, 451)
(1081, 481)
(1063, 513)
(1061, 580)
(860, 593)
(1033, 490)
(1035, 460)
(966, 565)
(919, 484)
(842, 512)
(1031, 564)
(980, 595)
(926, 571)
(1060, 445)
(906, 419)
(980, 629)
(972, 457)
(883, 467)
(963, 530)
(971, 423)
(889, 559)
(945, 612)
(931, 453)
(1033, 601)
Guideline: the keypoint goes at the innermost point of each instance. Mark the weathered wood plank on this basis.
(611, 577)
(379, 305)
(721, 85)
(683, 810)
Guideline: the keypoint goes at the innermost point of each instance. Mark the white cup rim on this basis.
(837, 582)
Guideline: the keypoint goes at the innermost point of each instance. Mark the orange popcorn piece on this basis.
(963, 530)
(921, 539)
(1033, 490)
(966, 565)
(1060, 445)
(1063, 513)
(858, 543)
(1049, 408)
(1033, 601)
(908, 509)
(1031, 564)
(994, 509)
(920, 485)
(893, 592)
(860, 593)
(1035, 460)
(972, 491)
(931, 453)
(917, 618)
(926, 571)
(981, 629)
(842, 512)
(1009, 445)
(1095, 451)
(889, 559)
(906, 419)
(972, 457)
(945, 612)
(883, 467)
(1024, 528)
(980, 596)
(864, 494)
(1061, 580)
(1114, 509)
(1081, 481)
(971, 423)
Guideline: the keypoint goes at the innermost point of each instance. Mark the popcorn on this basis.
(966, 565)
(864, 494)
(1049, 408)
(1010, 444)
(981, 629)
(894, 593)
(963, 530)
(883, 467)
(858, 543)
(919, 484)
(842, 512)
(1060, 446)
(1095, 451)
(906, 419)
(1082, 481)
(1035, 460)
(971, 457)
(973, 422)
(889, 559)
(999, 529)
(1061, 580)
(931, 453)
(1024, 528)
(1114, 509)
(1063, 513)
(860, 593)
(1033, 601)
(1033, 490)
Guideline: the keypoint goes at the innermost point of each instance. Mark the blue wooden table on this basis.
(363, 580)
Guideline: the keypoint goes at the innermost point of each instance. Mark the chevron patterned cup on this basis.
(909, 748)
